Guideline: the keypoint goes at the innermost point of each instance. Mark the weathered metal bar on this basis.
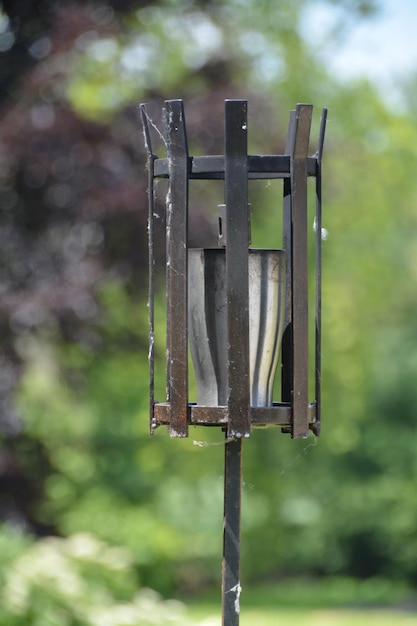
(300, 424)
(237, 281)
(231, 533)
(277, 415)
(177, 235)
(151, 267)
(287, 340)
(259, 166)
(237, 298)
(319, 238)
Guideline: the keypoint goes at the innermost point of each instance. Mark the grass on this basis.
(268, 617)
(332, 602)
(324, 617)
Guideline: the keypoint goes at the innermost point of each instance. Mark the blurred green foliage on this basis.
(341, 505)
(78, 581)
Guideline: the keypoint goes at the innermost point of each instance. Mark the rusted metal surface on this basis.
(280, 414)
(177, 243)
(236, 167)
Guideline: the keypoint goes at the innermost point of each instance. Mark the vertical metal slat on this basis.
(287, 340)
(177, 227)
(237, 228)
(300, 425)
(151, 261)
(320, 146)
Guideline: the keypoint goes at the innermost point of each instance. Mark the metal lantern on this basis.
(239, 310)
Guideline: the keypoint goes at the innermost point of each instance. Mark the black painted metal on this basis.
(231, 533)
(299, 256)
(287, 339)
(316, 426)
(237, 288)
(237, 291)
(236, 168)
(259, 167)
(151, 269)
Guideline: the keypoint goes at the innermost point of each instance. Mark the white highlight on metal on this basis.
(324, 231)
(204, 444)
(151, 345)
(237, 589)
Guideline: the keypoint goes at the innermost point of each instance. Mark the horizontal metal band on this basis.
(259, 167)
(279, 414)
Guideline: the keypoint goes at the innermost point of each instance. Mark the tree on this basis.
(76, 454)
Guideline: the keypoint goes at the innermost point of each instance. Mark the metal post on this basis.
(232, 408)
(231, 532)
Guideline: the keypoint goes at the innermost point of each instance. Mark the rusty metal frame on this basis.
(294, 413)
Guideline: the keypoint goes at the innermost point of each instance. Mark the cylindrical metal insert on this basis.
(207, 322)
